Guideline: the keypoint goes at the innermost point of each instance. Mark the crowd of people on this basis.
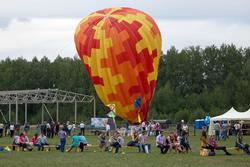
(43, 131)
(139, 138)
(221, 132)
(112, 140)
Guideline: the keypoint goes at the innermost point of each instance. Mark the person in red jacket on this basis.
(34, 139)
(22, 141)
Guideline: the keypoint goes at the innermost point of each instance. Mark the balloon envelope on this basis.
(120, 48)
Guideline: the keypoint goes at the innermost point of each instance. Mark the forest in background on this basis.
(192, 83)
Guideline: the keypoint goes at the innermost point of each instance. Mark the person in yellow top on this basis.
(205, 145)
(203, 140)
(211, 144)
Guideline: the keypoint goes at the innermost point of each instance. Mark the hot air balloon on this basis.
(120, 48)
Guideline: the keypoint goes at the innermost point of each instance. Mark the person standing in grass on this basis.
(62, 136)
(1, 129)
(224, 129)
(107, 127)
(57, 126)
(6, 129)
(52, 129)
(217, 130)
(82, 128)
(157, 128)
(12, 129)
(70, 126)
(74, 127)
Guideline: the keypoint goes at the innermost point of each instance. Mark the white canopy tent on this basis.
(246, 114)
(230, 115)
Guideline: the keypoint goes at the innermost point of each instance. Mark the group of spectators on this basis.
(174, 142)
(177, 141)
(221, 131)
(23, 142)
(139, 138)
(108, 140)
(52, 128)
(8, 129)
(150, 128)
(222, 128)
(43, 131)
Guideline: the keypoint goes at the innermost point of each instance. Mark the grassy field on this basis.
(93, 156)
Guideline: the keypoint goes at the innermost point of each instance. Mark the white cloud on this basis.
(53, 36)
(185, 33)
(38, 37)
(160, 9)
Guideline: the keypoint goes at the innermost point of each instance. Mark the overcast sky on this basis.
(31, 28)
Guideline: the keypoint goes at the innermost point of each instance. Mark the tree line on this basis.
(192, 82)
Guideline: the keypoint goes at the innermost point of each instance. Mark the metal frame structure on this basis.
(44, 96)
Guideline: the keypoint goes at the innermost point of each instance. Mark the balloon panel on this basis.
(120, 48)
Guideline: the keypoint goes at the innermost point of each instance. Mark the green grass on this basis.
(96, 158)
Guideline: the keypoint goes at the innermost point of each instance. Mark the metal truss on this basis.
(42, 96)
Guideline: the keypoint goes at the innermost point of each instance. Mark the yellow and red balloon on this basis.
(120, 48)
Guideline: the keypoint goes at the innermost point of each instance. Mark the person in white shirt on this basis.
(1, 129)
(107, 129)
(12, 129)
(82, 128)
(237, 128)
(161, 143)
(74, 127)
(69, 127)
(15, 141)
(143, 126)
(185, 128)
